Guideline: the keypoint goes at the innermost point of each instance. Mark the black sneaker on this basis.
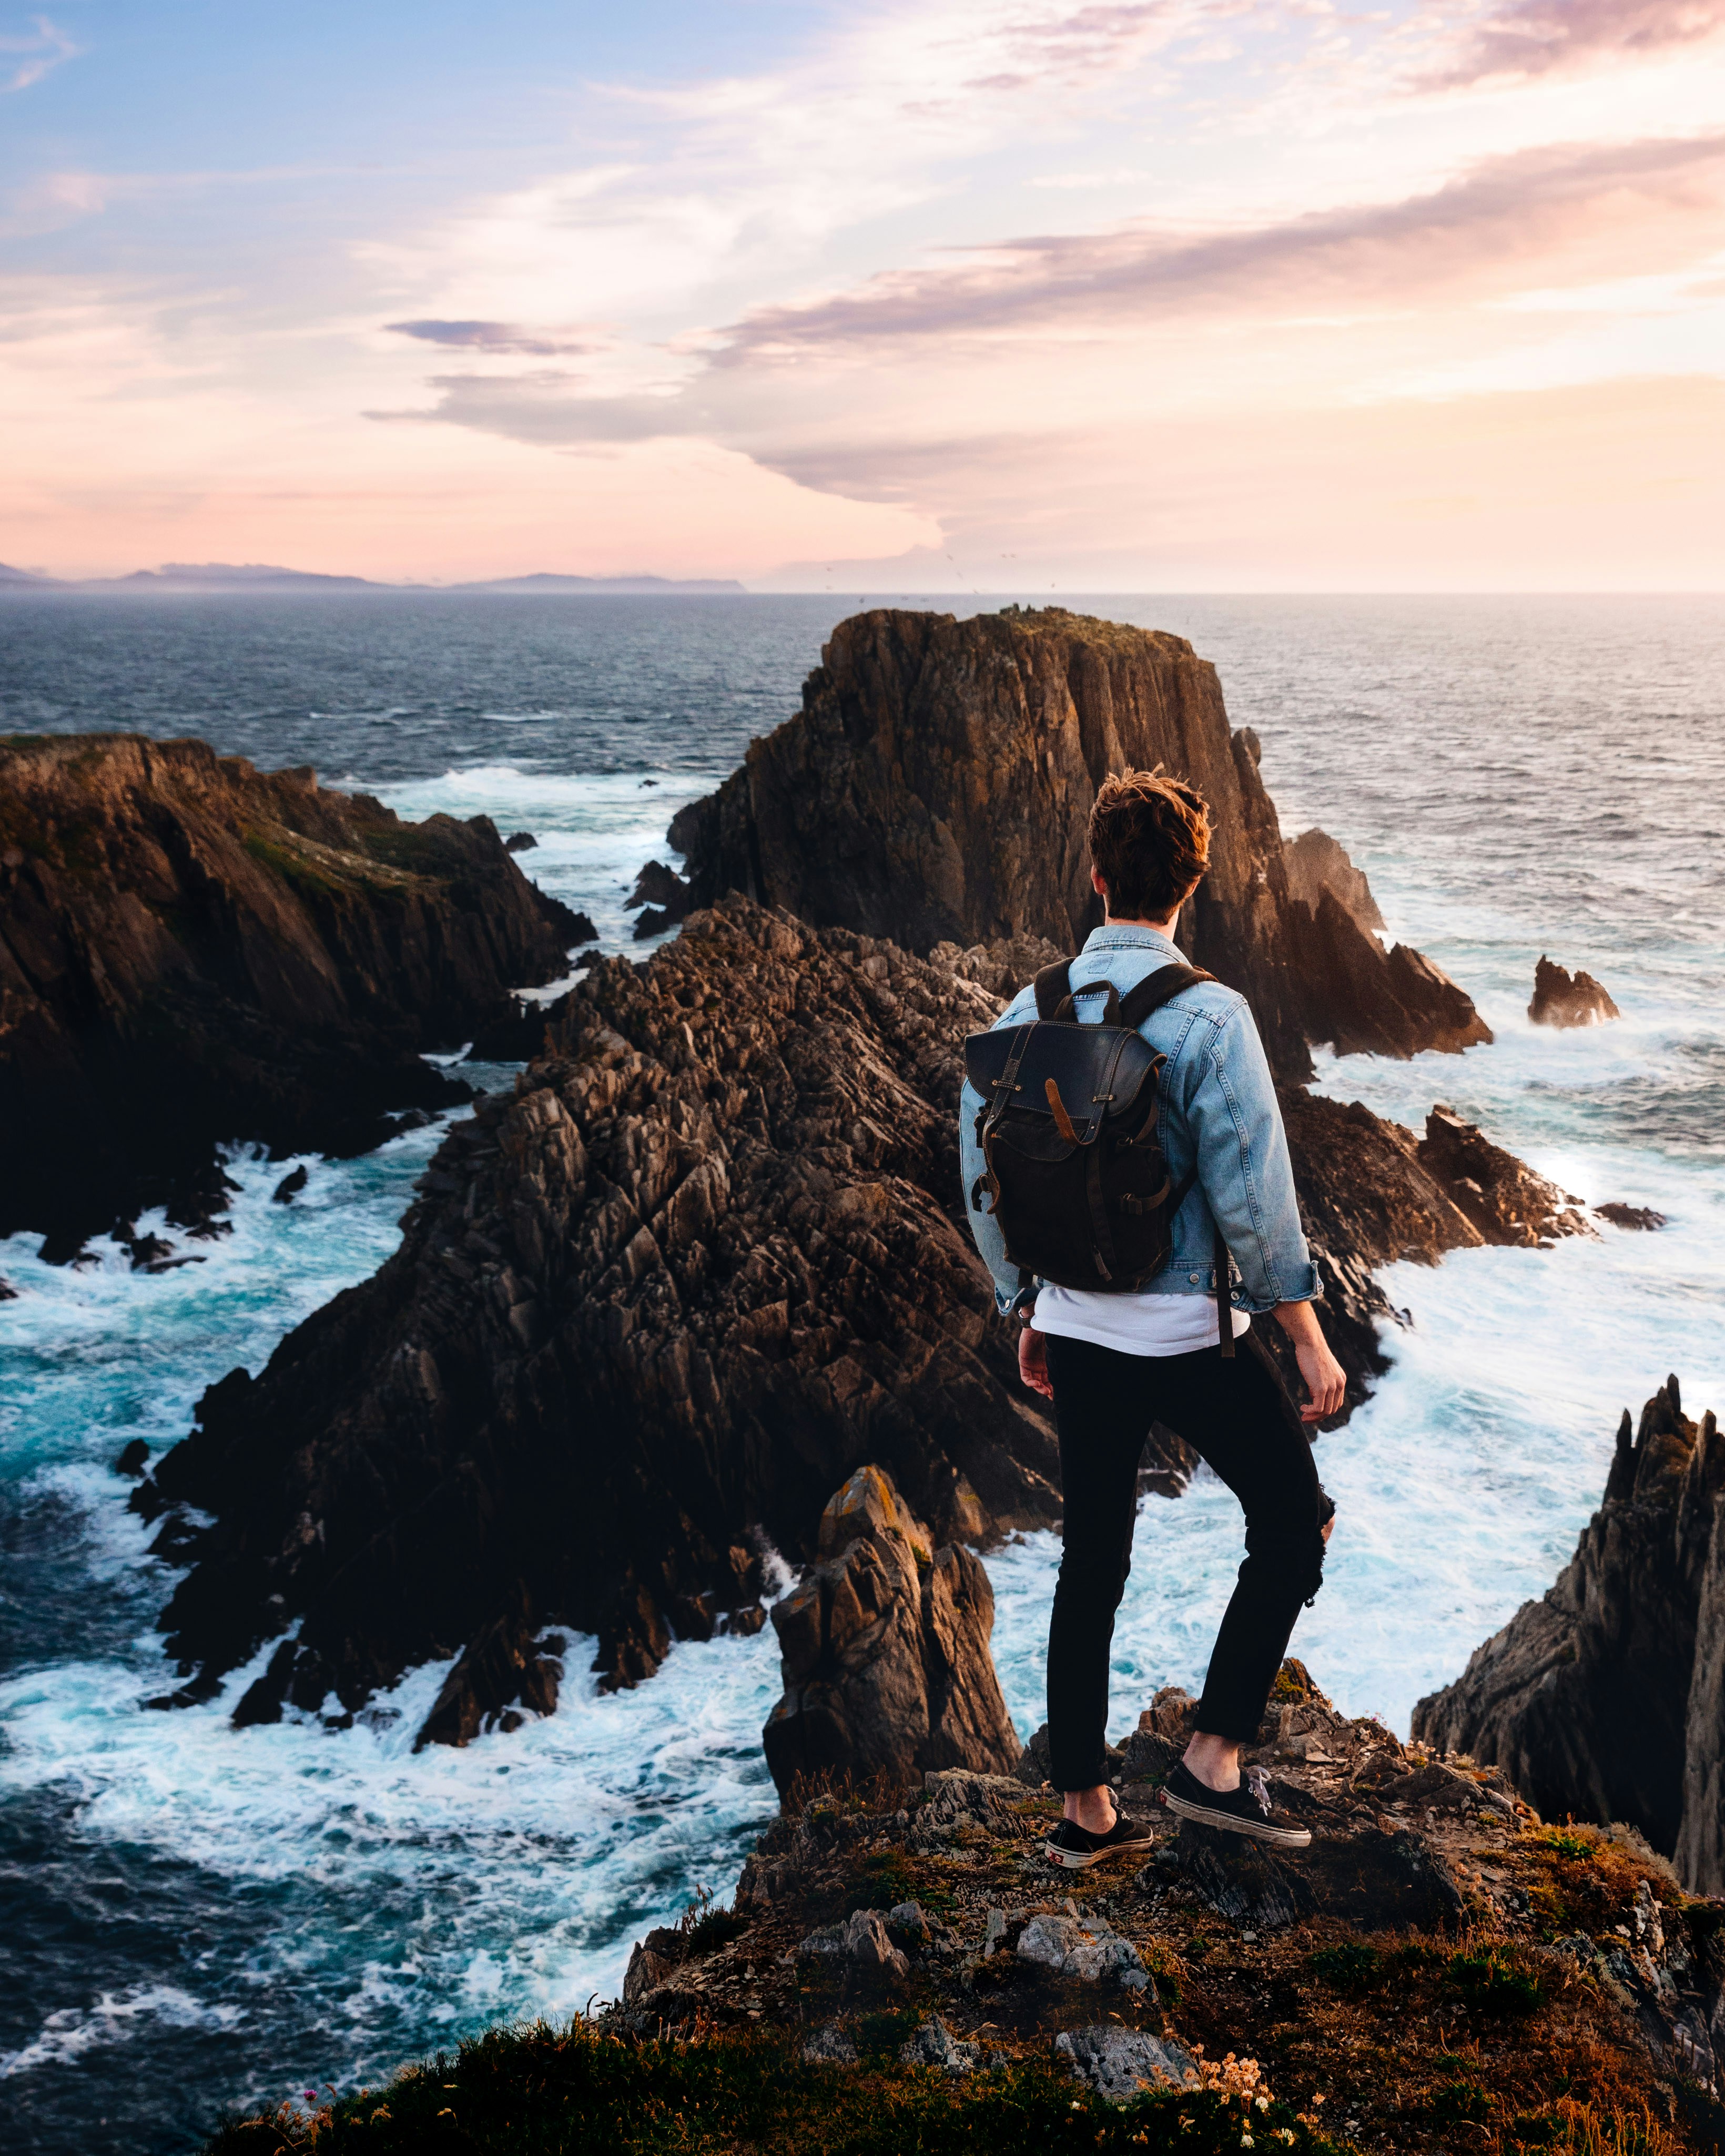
(1074, 1848)
(1244, 1810)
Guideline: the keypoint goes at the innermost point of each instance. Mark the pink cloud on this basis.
(1541, 37)
(1571, 210)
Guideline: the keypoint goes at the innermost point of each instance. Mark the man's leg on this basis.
(1237, 1417)
(1102, 1411)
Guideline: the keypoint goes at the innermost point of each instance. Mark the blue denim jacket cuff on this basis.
(1009, 1305)
(1303, 1285)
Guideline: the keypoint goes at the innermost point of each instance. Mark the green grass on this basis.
(579, 2092)
(886, 1880)
(1348, 1968)
(1491, 1984)
(1460, 2103)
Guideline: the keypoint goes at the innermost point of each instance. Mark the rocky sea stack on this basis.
(1606, 1698)
(1566, 999)
(192, 950)
(936, 785)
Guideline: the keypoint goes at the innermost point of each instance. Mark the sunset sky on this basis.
(1012, 295)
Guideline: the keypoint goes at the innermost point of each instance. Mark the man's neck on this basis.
(1161, 927)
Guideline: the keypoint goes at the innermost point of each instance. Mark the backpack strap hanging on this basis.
(1225, 1305)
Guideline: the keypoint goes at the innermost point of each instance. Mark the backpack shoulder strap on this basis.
(1152, 993)
(1053, 987)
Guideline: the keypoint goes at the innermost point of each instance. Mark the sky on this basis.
(1024, 295)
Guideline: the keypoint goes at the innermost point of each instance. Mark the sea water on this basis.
(193, 1916)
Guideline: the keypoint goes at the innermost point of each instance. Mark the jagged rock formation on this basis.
(1315, 863)
(884, 1643)
(1606, 1698)
(664, 896)
(936, 784)
(192, 950)
(1565, 999)
(702, 1265)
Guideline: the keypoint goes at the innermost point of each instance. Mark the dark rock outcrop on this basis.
(520, 842)
(884, 1643)
(699, 1268)
(1641, 1218)
(1606, 1698)
(664, 893)
(191, 950)
(936, 785)
(1565, 999)
(1315, 862)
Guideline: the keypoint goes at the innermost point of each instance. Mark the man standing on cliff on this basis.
(1114, 1363)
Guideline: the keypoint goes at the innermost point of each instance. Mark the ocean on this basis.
(194, 1919)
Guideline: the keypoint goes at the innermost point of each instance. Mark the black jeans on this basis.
(1236, 1414)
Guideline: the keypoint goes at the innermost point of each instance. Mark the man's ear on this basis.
(1098, 887)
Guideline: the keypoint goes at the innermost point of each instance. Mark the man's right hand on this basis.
(1032, 1361)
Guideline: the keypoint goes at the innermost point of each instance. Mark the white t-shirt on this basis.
(1143, 1324)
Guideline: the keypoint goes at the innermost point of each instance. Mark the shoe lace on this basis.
(1258, 1782)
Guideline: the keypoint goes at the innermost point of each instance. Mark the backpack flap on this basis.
(1095, 1071)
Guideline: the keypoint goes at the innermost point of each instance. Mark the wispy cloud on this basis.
(1533, 37)
(495, 337)
(26, 56)
(1582, 203)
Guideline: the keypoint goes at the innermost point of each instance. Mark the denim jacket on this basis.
(1218, 1106)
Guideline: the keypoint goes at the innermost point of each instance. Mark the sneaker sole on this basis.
(1284, 1837)
(1073, 1859)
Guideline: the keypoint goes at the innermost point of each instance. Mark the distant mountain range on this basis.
(259, 577)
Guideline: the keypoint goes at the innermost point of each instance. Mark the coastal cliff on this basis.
(191, 950)
(936, 786)
(1605, 1699)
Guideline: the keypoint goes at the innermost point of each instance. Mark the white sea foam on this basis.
(70, 2031)
(594, 832)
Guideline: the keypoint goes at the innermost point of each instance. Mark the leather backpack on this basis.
(1075, 1172)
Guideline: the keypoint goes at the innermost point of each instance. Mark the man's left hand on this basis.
(1033, 1362)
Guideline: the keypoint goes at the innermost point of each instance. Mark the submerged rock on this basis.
(936, 785)
(1605, 1699)
(1566, 999)
(885, 1653)
(196, 950)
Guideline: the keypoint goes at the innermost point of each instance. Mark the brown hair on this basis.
(1150, 842)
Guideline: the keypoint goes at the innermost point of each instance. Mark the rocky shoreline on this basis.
(192, 951)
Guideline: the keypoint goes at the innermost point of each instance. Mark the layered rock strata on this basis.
(1561, 999)
(191, 950)
(1605, 1699)
(648, 1311)
(884, 1644)
(936, 785)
